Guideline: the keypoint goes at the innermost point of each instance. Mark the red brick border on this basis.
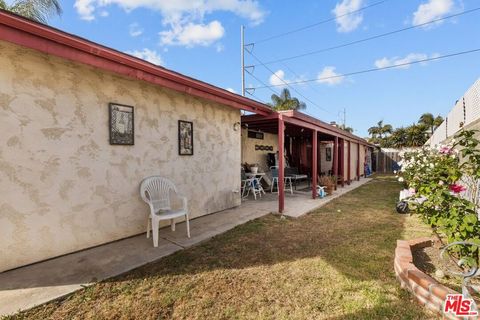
(425, 289)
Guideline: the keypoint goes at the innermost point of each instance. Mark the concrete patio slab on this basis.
(26, 287)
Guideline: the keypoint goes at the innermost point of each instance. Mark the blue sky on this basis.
(201, 39)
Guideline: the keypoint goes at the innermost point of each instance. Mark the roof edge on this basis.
(46, 39)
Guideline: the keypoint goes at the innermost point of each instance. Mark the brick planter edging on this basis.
(425, 289)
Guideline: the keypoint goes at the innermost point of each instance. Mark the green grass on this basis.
(335, 263)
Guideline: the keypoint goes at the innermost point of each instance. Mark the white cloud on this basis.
(148, 55)
(191, 34)
(329, 76)
(183, 18)
(231, 90)
(104, 14)
(278, 79)
(400, 62)
(432, 10)
(135, 30)
(348, 22)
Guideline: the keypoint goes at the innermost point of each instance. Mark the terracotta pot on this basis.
(329, 189)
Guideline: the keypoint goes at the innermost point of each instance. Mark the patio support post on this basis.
(358, 161)
(281, 164)
(335, 159)
(314, 163)
(349, 158)
(342, 161)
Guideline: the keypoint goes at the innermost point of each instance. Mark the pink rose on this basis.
(445, 150)
(457, 188)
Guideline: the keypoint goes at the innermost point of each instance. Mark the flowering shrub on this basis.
(446, 180)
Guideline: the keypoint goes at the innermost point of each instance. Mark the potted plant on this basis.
(328, 183)
(254, 168)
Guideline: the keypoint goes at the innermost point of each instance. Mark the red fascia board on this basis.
(48, 40)
(326, 126)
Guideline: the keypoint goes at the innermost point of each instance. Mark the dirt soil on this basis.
(428, 260)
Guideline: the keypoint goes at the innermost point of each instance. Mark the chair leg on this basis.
(155, 225)
(172, 224)
(149, 226)
(188, 225)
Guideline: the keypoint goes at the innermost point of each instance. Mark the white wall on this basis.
(466, 111)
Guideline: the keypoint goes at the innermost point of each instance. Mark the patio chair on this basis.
(287, 180)
(251, 184)
(155, 191)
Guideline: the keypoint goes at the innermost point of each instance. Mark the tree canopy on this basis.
(286, 102)
(37, 10)
(414, 135)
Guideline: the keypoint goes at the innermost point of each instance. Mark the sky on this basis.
(201, 39)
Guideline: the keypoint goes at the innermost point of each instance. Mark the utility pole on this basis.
(242, 56)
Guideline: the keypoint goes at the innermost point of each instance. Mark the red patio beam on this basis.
(335, 160)
(314, 163)
(281, 165)
(342, 161)
(349, 159)
(358, 162)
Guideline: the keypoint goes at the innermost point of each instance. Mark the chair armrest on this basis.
(184, 201)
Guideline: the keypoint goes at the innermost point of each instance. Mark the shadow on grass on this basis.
(319, 261)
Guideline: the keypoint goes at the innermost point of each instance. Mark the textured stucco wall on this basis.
(250, 155)
(63, 187)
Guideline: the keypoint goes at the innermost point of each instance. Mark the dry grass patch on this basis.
(335, 263)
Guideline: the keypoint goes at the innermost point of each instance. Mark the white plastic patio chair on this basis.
(155, 191)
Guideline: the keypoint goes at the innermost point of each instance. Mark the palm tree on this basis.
(416, 136)
(438, 121)
(286, 102)
(430, 121)
(380, 130)
(37, 10)
(427, 119)
(348, 129)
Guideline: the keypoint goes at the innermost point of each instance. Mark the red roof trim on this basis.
(300, 119)
(52, 41)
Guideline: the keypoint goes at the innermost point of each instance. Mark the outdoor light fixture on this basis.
(237, 126)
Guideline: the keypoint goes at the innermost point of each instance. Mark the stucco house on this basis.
(63, 185)
(82, 124)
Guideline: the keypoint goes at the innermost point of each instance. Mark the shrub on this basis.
(445, 182)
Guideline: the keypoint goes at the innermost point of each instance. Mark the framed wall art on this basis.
(121, 124)
(328, 154)
(185, 138)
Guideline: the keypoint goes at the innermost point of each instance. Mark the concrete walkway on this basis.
(26, 287)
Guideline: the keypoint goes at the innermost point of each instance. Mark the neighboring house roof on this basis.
(34, 35)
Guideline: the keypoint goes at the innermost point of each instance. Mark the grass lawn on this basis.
(335, 263)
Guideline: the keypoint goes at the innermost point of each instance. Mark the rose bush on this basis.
(446, 179)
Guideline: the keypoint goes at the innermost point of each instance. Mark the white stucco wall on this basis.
(251, 156)
(63, 187)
